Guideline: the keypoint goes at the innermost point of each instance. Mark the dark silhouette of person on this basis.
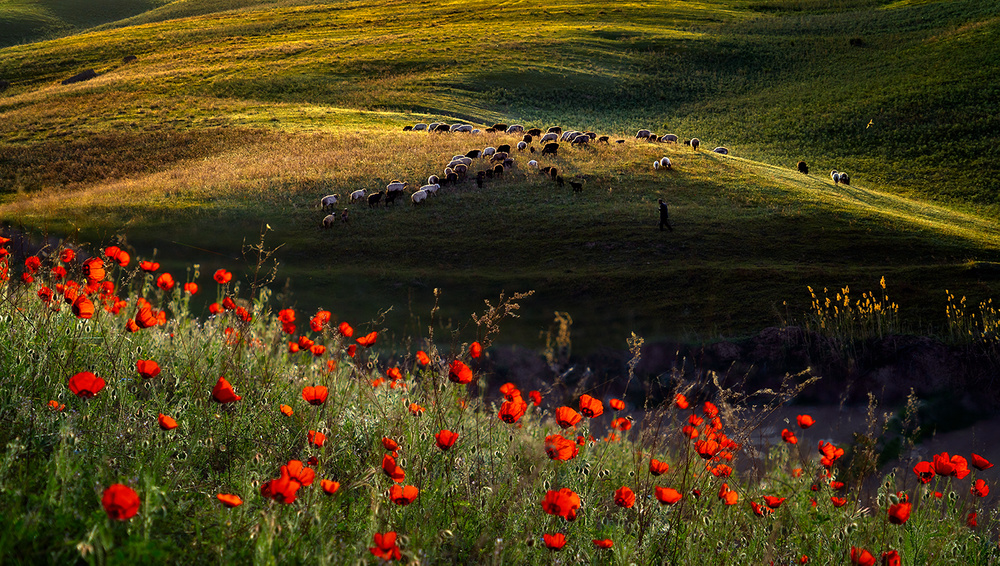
(664, 216)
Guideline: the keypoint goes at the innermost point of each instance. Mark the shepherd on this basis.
(664, 216)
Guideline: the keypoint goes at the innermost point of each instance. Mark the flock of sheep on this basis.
(493, 162)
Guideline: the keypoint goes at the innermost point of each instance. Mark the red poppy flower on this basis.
(512, 411)
(657, 468)
(721, 471)
(286, 315)
(554, 542)
(422, 357)
(298, 472)
(55, 406)
(191, 288)
(315, 395)
(773, 502)
(228, 303)
(166, 423)
(286, 410)
(760, 510)
(316, 438)
(563, 503)
(891, 558)
(149, 266)
(924, 471)
(317, 350)
(955, 466)
(789, 436)
(667, 495)
(475, 349)
(567, 417)
(329, 487)
(85, 384)
(345, 330)
(385, 547)
(120, 502)
(147, 368)
(282, 489)
(223, 392)
(591, 407)
(972, 521)
(603, 543)
(351, 350)
(83, 307)
(305, 343)
(222, 276)
(803, 559)
(215, 308)
(368, 340)
(707, 449)
(459, 372)
(536, 397)
(680, 401)
(728, 496)
(390, 444)
(899, 513)
(32, 263)
(403, 494)
(509, 391)
(838, 501)
(244, 314)
(559, 448)
(119, 256)
(980, 488)
(830, 453)
(805, 421)
(67, 255)
(394, 374)
(390, 469)
(710, 410)
(624, 497)
(862, 557)
(144, 317)
(621, 423)
(293, 348)
(131, 326)
(229, 500)
(980, 463)
(415, 409)
(445, 439)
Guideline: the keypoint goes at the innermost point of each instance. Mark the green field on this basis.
(237, 116)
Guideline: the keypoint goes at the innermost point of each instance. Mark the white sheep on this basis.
(329, 220)
(419, 127)
(433, 126)
(433, 180)
(533, 163)
(521, 146)
(448, 171)
(568, 136)
(549, 137)
(665, 162)
(642, 134)
(328, 201)
(461, 169)
(515, 129)
(656, 164)
(835, 175)
(580, 140)
(476, 131)
(461, 128)
(721, 150)
(669, 138)
(395, 186)
(431, 189)
(418, 197)
(489, 151)
(358, 195)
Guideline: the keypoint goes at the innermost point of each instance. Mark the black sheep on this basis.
(500, 127)
(577, 187)
(550, 148)
(603, 139)
(505, 148)
(498, 170)
(534, 132)
(407, 128)
(479, 180)
(452, 178)
(555, 130)
(374, 199)
(527, 138)
(803, 168)
(559, 179)
(442, 128)
(391, 196)
(474, 154)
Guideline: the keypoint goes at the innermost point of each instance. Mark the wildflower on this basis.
(980, 463)
(805, 421)
(445, 439)
(830, 453)
(567, 417)
(554, 542)
(624, 497)
(789, 436)
(797, 472)
(760, 510)
(657, 468)
(667, 495)
(390, 444)
(394, 374)
(838, 501)
(559, 448)
(345, 330)
(149, 266)
(385, 546)
(689, 431)
(415, 409)
(215, 308)
(319, 320)
(728, 496)
(862, 557)
(222, 276)
(351, 350)
(223, 392)
(563, 503)
(924, 471)
(603, 543)
(773, 502)
(316, 438)
(166, 423)
(83, 307)
(329, 487)
(67, 255)
(509, 391)
(622, 424)
(972, 521)
(459, 372)
(710, 410)
(403, 494)
(228, 304)
(422, 358)
(118, 255)
(891, 558)
(368, 340)
(229, 500)
(512, 411)
(286, 410)
(245, 315)
(899, 513)
(955, 466)
(837, 485)
(390, 469)
(980, 488)
(591, 407)
(147, 368)
(315, 395)
(85, 384)
(680, 401)
(191, 288)
(293, 347)
(707, 449)
(536, 397)
(721, 471)
(803, 559)
(120, 502)
(55, 406)
(475, 349)
(165, 281)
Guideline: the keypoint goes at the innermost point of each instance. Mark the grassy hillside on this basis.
(243, 118)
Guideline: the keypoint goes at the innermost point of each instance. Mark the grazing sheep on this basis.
(533, 163)
(581, 139)
(652, 138)
(603, 139)
(433, 126)
(671, 138)
(534, 132)
(550, 137)
(476, 131)
(489, 151)
(619, 141)
(803, 167)
(569, 136)
(395, 186)
(590, 135)
(554, 130)
(329, 220)
(515, 129)
(430, 189)
(343, 216)
(642, 134)
(463, 160)
(418, 197)
(531, 149)
(448, 171)
(549, 170)
(505, 148)
(550, 149)
(687, 142)
(721, 150)
(488, 174)
(419, 127)
(442, 128)
(328, 201)
(474, 154)
(390, 197)
(665, 162)
(656, 164)
(407, 128)
(845, 179)
(521, 146)
(527, 138)
(357, 195)
(500, 127)
(577, 187)
(559, 180)
(498, 170)
(499, 156)
(695, 142)
(461, 169)
(508, 163)
(375, 198)
(835, 175)
(491, 130)
(452, 179)
(479, 179)
(664, 216)
(432, 180)
(461, 128)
